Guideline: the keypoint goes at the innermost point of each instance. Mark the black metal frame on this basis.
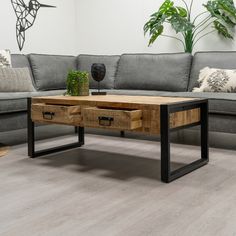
(166, 174)
(31, 138)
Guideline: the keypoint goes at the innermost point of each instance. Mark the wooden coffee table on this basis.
(147, 114)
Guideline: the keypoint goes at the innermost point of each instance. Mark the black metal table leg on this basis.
(165, 144)
(76, 130)
(81, 135)
(166, 174)
(30, 130)
(122, 134)
(31, 138)
(204, 132)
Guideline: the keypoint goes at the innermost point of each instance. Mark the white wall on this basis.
(95, 26)
(53, 30)
(116, 26)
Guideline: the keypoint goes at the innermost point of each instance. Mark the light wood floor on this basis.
(112, 187)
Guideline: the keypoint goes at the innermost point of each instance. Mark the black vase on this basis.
(98, 71)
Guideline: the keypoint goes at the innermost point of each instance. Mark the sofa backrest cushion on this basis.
(163, 72)
(219, 60)
(20, 61)
(50, 71)
(111, 62)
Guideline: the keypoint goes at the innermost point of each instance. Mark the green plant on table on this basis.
(219, 14)
(75, 79)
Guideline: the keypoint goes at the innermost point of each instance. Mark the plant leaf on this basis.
(225, 13)
(182, 11)
(221, 8)
(180, 24)
(157, 33)
(222, 29)
(166, 7)
(154, 23)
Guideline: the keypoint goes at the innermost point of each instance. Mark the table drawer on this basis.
(70, 115)
(112, 119)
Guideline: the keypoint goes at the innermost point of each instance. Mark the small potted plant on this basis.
(77, 83)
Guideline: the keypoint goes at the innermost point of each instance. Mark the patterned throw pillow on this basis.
(5, 58)
(216, 80)
(15, 80)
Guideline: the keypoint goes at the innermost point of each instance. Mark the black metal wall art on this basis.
(26, 15)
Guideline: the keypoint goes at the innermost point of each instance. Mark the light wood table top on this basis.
(151, 102)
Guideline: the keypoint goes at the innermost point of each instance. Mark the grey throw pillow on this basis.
(15, 80)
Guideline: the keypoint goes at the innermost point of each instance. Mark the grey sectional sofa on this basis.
(128, 74)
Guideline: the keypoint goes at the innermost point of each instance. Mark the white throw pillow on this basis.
(216, 80)
(5, 58)
(15, 80)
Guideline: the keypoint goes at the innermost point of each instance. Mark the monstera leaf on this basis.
(223, 30)
(224, 13)
(167, 8)
(167, 13)
(222, 9)
(180, 24)
(182, 12)
(157, 32)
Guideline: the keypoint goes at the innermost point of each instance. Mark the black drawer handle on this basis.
(48, 115)
(105, 121)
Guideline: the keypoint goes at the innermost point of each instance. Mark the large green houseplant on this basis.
(219, 16)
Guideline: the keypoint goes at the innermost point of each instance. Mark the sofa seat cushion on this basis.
(132, 92)
(17, 101)
(219, 103)
(111, 62)
(50, 71)
(162, 72)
